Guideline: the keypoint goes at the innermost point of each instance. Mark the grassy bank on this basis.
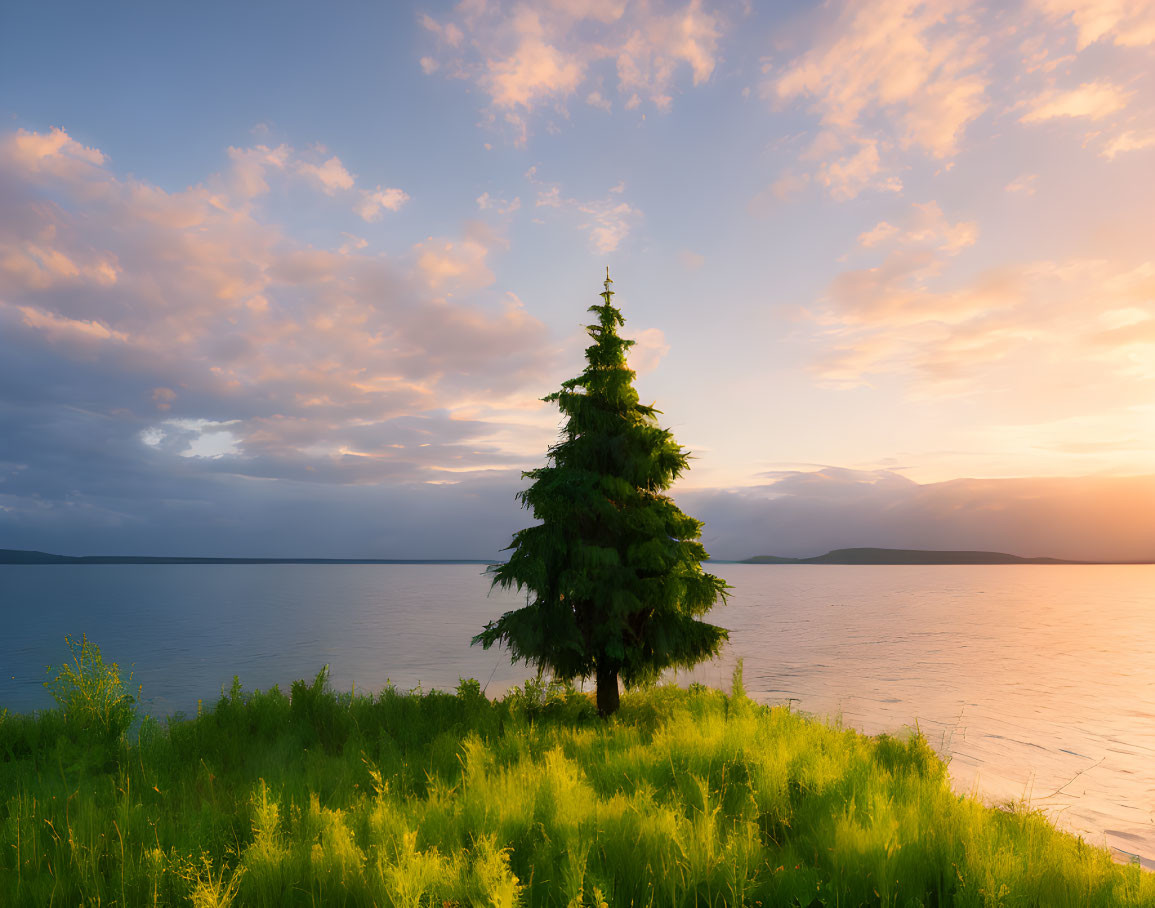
(685, 798)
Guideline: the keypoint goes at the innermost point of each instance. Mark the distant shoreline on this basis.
(21, 556)
(864, 556)
(857, 556)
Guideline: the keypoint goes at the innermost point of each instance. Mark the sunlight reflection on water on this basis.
(1037, 682)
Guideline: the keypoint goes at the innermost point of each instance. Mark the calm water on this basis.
(1036, 681)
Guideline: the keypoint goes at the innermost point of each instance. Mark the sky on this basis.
(283, 279)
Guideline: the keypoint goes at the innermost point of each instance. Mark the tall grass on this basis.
(440, 799)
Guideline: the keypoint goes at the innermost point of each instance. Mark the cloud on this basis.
(658, 44)
(1093, 100)
(802, 514)
(846, 177)
(595, 99)
(1128, 23)
(985, 333)
(918, 68)
(163, 397)
(924, 225)
(189, 337)
(1132, 140)
(534, 70)
(1049, 352)
(61, 328)
(1025, 185)
(607, 221)
(458, 263)
(789, 184)
(37, 262)
(52, 153)
(374, 203)
(486, 202)
(890, 85)
(251, 168)
(649, 348)
(199, 512)
(330, 175)
(691, 260)
(527, 58)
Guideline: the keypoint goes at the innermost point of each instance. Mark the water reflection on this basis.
(1037, 682)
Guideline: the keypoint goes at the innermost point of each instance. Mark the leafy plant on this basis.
(97, 706)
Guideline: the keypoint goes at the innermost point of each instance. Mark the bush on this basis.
(97, 707)
(553, 699)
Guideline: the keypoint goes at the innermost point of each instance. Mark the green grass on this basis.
(684, 798)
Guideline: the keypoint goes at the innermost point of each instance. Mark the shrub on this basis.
(97, 707)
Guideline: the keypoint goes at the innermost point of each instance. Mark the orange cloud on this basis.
(1128, 141)
(925, 225)
(1129, 23)
(1093, 100)
(1053, 352)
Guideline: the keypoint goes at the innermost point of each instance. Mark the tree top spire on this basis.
(608, 281)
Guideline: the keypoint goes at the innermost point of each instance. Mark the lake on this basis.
(1037, 682)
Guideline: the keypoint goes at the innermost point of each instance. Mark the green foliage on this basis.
(97, 707)
(552, 699)
(613, 570)
(451, 799)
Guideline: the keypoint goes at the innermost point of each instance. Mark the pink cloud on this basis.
(250, 164)
(52, 151)
(649, 349)
(251, 168)
(886, 81)
(527, 58)
(607, 221)
(374, 203)
(920, 62)
(248, 324)
(330, 174)
(534, 70)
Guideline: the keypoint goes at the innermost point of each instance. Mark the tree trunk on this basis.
(607, 690)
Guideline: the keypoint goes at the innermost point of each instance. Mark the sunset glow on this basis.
(283, 284)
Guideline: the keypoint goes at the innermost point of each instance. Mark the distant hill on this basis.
(906, 556)
(20, 556)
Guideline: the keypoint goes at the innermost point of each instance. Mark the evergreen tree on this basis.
(612, 573)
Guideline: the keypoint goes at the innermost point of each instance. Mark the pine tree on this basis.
(612, 573)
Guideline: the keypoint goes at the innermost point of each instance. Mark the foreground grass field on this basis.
(440, 799)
